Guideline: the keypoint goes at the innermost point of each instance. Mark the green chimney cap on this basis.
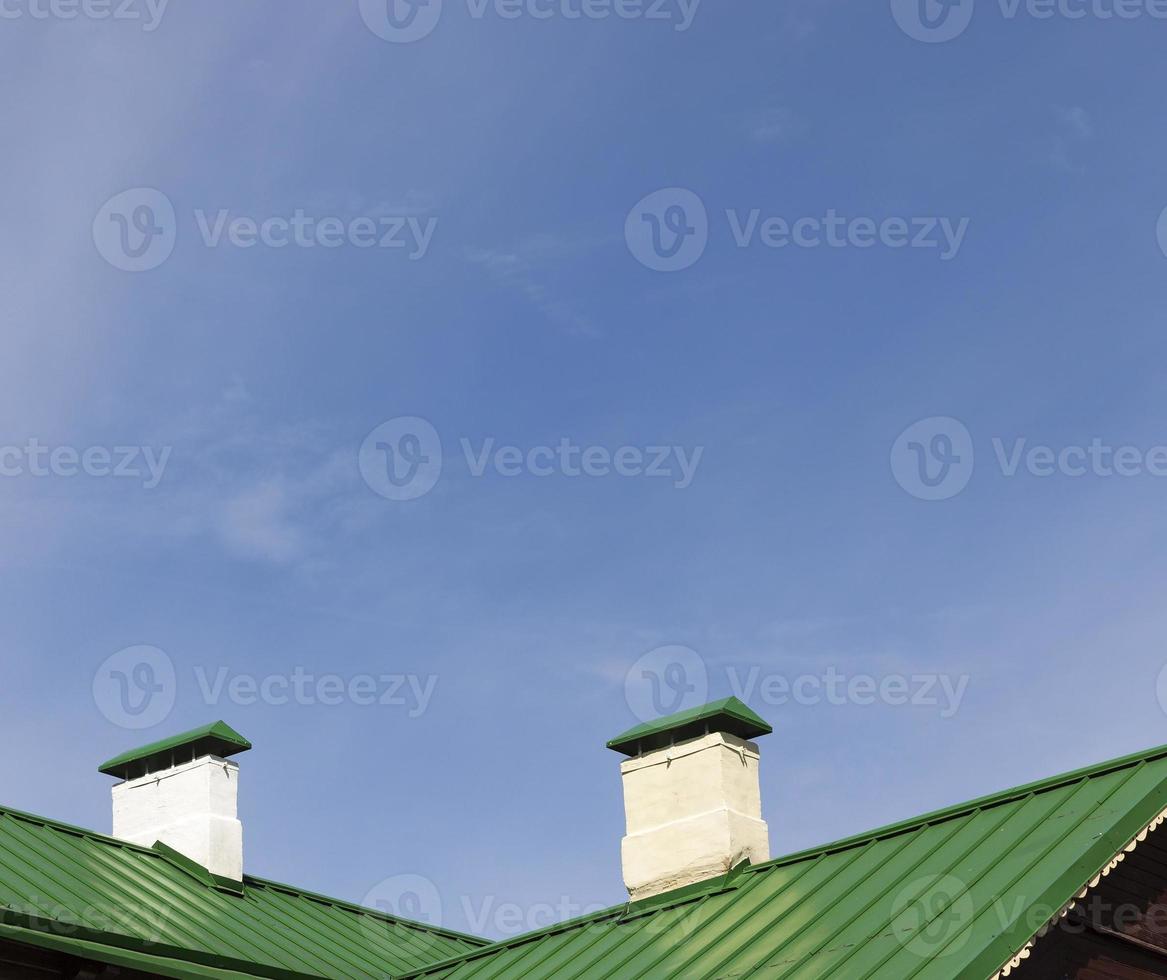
(729, 715)
(218, 739)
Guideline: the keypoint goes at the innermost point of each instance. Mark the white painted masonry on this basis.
(191, 807)
(693, 811)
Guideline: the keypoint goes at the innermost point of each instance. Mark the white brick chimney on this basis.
(183, 792)
(692, 801)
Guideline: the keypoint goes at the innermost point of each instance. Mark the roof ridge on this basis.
(971, 806)
(687, 894)
(101, 838)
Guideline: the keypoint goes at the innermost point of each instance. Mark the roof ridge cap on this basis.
(956, 810)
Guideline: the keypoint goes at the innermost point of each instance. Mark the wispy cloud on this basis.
(525, 269)
(777, 124)
(272, 494)
(258, 523)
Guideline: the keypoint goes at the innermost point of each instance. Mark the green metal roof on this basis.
(728, 715)
(78, 892)
(951, 894)
(218, 738)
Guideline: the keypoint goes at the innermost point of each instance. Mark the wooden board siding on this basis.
(1120, 930)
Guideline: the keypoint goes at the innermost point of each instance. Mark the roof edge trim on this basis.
(964, 809)
(1022, 954)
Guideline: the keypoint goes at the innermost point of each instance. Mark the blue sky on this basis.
(520, 603)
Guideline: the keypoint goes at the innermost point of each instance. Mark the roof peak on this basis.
(728, 715)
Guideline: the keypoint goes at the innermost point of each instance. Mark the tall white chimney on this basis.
(692, 800)
(183, 792)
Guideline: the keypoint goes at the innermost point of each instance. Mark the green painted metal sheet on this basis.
(951, 894)
(728, 715)
(84, 890)
(217, 738)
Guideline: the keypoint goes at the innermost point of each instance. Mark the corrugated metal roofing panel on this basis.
(78, 886)
(952, 894)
